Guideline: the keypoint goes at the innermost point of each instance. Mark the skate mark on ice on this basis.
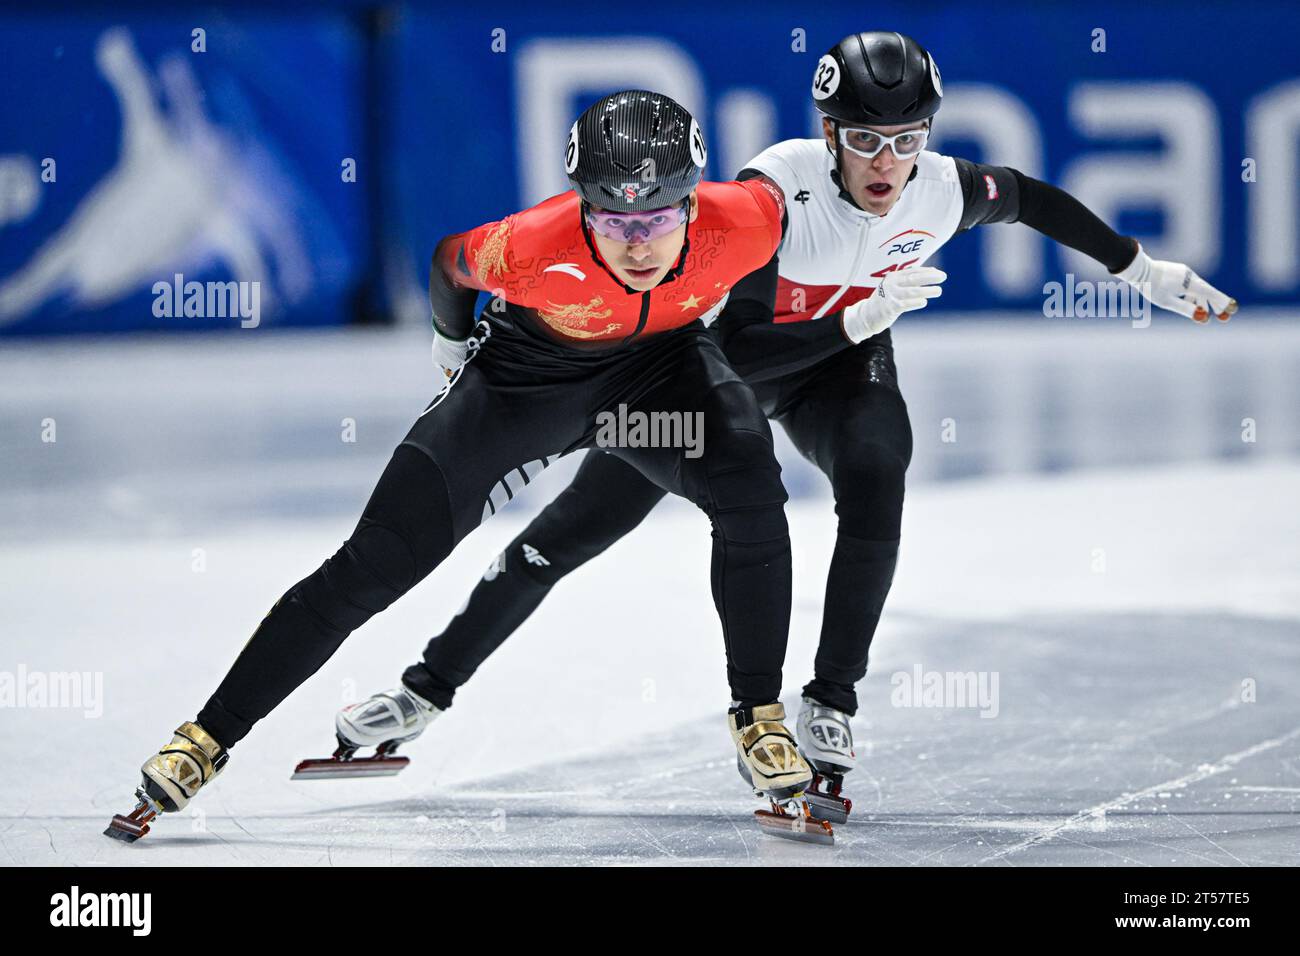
(1200, 773)
(1126, 741)
(1126, 860)
(1209, 860)
(1208, 840)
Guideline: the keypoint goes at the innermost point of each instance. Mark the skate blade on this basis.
(328, 768)
(130, 828)
(790, 827)
(828, 807)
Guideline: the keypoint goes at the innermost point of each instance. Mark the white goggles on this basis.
(868, 144)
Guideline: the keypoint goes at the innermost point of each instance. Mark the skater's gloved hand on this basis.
(901, 291)
(1173, 286)
(448, 354)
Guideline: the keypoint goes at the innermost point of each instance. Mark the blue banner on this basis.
(312, 160)
(1176, 124)
(180, 171)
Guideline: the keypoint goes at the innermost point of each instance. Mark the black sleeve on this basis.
(452, 303)
(1002, 194)
(760, 349)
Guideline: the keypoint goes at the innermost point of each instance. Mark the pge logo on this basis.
(905, 242)
(905, 247)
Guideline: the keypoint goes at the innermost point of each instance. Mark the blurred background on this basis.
(164, 477)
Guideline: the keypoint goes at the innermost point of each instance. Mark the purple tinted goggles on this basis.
(636, 227)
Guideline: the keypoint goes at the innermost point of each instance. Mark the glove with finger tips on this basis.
(901, 291)
(1176, 287)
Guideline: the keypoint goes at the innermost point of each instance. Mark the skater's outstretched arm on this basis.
(1001, 194)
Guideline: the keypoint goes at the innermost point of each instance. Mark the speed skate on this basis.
(768, 759)
(826, 739)
(384, 721)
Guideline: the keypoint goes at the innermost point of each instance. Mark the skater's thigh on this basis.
(729, 464)
(488, 443)
(852, 413)
(703, 419)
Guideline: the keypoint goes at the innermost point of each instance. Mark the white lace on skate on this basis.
(825, 737)
(393, 715)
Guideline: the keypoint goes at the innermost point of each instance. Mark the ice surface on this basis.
(1142, 619)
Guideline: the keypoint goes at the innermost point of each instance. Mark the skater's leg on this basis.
(404, 533)
(437, 488)
(736, 481)
(852, 422)
(605, 501)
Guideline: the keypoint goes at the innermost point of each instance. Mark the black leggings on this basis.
(845, 414)
(468, 455)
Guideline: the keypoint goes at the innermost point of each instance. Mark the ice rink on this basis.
(1101, 532)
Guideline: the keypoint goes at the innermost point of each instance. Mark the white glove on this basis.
(1173, 286)
(448, 354)
(900, 291)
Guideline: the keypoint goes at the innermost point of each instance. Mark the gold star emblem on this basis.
(691, 302)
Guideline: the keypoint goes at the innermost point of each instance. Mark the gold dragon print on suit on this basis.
(492, 254)
(573, 320)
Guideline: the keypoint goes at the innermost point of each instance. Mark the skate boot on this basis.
(827, 741)
(170, 778)
(769, 761)
(383, 721)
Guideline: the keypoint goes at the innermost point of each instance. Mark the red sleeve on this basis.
(484, 257)
(770, 201)
(463, 265)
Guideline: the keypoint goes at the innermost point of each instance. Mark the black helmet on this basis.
(877, 79)
(634, 150)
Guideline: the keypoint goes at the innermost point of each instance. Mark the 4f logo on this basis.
(802, 196)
